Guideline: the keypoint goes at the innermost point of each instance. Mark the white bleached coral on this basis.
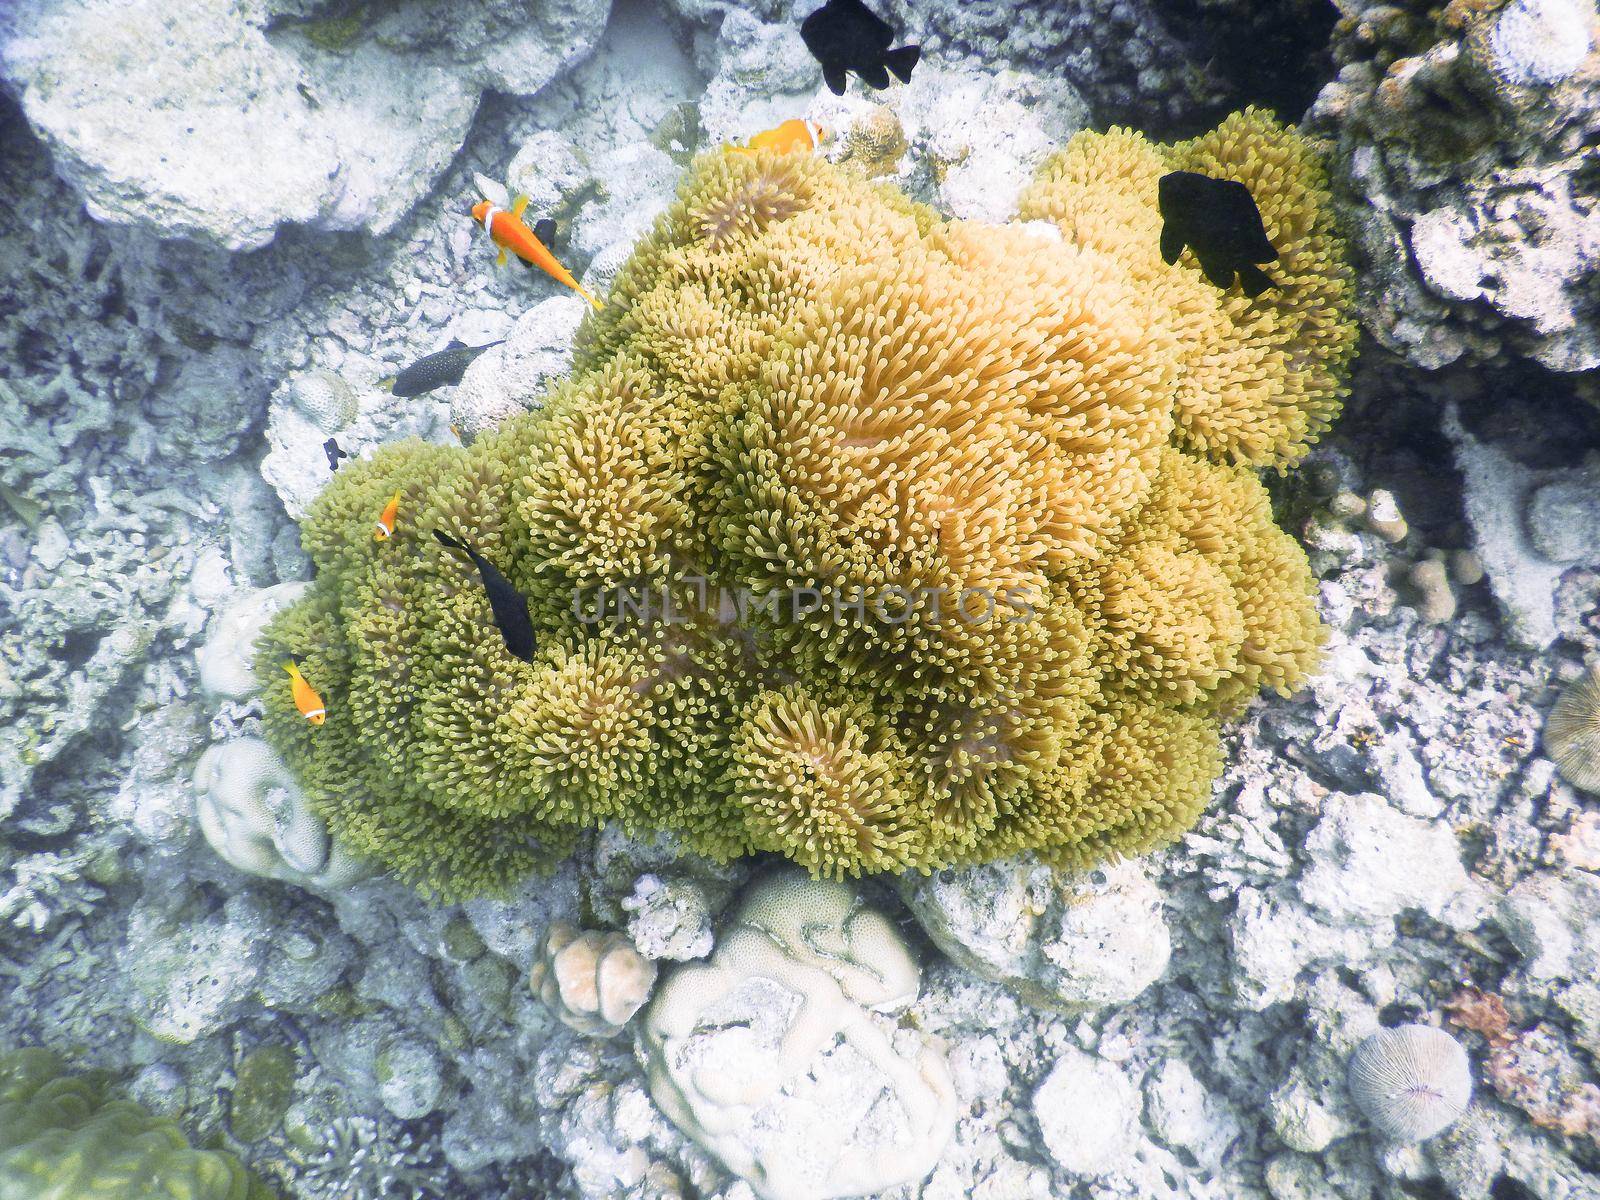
(592, 981)
(227, 658)
(256, 817)
(1412, 1081)
(768, 1057)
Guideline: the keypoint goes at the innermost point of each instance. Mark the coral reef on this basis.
(1412, 1081)
(1572, 731)
(769, 1056)
(1394, 834)
(929, 583)
(1464, 169)
(254, 815)
(145, 106)
(594, 982)
(61, 1136)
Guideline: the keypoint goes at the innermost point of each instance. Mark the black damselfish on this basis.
(1217, 219)
(509, 606)
(440, 369)
(335, 452)
(845, 35)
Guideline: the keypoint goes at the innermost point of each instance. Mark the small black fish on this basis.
(509, 606)
(439, 369)
(334, 452)
(1217, 219)
(845, 35)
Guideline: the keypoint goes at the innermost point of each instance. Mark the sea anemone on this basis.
(950, 538)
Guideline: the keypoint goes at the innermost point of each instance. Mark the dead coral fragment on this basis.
(999, 489)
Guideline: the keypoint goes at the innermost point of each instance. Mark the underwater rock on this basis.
(1553, 920)
(1070, 941)
(514, 377)
(669, 917)
(296, 465)
(1369, 863)
(1519, 518)
(255, 816)
(227, 658)
(1464, 134)
(593, 982)
(1087, 1112)
(770, 1056)
(349, 119)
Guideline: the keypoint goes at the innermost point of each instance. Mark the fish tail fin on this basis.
(294, 671)
(580, 290)
(518, 205)
(454, 543)
(902, 60)
(1254, 280)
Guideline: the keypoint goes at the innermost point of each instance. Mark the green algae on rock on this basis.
(947, 537)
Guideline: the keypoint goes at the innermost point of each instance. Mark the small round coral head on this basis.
(383, 527)
(305, 696)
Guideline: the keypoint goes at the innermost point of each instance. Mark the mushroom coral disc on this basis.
(959, 525)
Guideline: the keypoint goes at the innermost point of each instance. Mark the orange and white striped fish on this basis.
(383, 527)
(794, 134)
(507, 230)
(305, 696)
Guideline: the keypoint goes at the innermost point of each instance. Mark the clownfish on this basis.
(794, 134)
(507, 231)
(383, 527)
(305, 696)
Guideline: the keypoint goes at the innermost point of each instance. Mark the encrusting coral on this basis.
(948, 535)
(60, 1136)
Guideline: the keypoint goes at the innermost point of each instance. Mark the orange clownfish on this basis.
(383, 527)
(305, 696)
(794, 134)
(507, 231)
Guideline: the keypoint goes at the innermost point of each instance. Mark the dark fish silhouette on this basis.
(545, 230)
(845, 35)
(1218, 220)
(334, 452)
(440, 369)
(509, 606)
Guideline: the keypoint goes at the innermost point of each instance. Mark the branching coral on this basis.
(60, 1136)
(947, 537)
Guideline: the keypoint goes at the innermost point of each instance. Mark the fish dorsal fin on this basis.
(456, 344)
(494, 193)
(518, 206)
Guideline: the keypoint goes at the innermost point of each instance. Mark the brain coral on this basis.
(950, 537)
(60, 1137)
